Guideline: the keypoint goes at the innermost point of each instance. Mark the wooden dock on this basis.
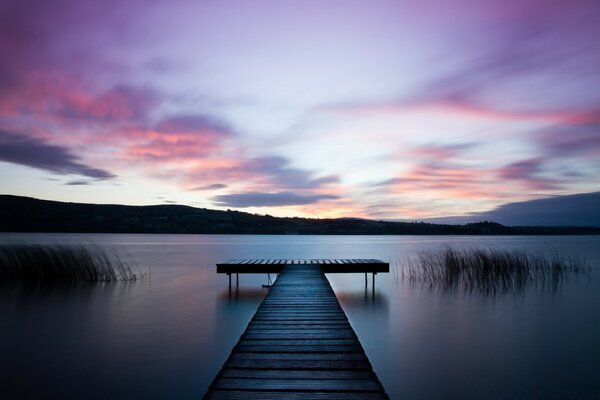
(328, 266)
(298, 345)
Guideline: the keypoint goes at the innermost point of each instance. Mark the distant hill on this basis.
(569, 210)
(25, 214)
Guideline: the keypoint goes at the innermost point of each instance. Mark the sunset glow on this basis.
(376, 109)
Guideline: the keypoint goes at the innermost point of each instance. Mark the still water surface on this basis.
(167, 335)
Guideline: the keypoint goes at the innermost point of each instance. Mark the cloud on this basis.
(258, 199)
(444, 179)
(530, 45)
(324, 180)
(260, 174)
(214, 186)
(177, 138)
(31, 152)
(261, 181)
(441, 170)
(77, 183)
(433, 151)
(528, 172)
(282, 175)
(530, 62)
(569, 140)
(56, 62)
(121, 103)
(192, 123)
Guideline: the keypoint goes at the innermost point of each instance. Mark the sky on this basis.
(384, 109)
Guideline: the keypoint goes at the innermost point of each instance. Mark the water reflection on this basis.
(240, 295)
(366, 299)
(168, 336)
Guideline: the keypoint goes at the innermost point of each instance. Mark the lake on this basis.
(168, 334)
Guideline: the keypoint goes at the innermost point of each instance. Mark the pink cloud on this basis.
(445, 180)
(173, 146)
(437, 172)
(121, 103)
(471, 109)
(439, 152)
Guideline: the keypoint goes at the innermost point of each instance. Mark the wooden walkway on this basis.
(298, 345)
(253, 266)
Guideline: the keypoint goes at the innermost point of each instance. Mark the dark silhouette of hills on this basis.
(582, 209)
(25, 214)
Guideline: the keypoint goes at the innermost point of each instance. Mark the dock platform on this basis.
(328, 266)
(299, 345)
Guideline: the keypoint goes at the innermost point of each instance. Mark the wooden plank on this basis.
(287, 374)
(298, 345)
(299, 335)
(326, 365)
(262, 348)
(312, 385)
(295, 355)
(289, 323)
(299, 313)
(291, 395)
(291, 343)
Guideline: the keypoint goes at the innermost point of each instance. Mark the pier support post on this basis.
(365, 280)
(229, 275)
(374, 273)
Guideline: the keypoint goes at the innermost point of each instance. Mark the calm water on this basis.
(167, 335)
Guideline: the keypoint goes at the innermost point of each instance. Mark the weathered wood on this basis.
(320, 385)
(272, 266)
(298, 345)
(278, 374)
(299, 348)
(263, 395)
(297, 342)
(293, 354)
(314, 365)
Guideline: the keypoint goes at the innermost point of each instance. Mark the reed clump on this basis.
(40, 264)
(490, 271)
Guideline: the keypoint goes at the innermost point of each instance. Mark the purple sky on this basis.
(380, 109)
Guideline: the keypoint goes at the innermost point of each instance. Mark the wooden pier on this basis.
(298, 345)
(328, 266)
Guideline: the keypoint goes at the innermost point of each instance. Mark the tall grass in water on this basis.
(490, 271)
(38, 264)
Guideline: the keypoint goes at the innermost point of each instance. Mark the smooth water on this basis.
(167, 335)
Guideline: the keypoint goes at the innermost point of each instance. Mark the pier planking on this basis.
(275, 266)
(299, 345)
